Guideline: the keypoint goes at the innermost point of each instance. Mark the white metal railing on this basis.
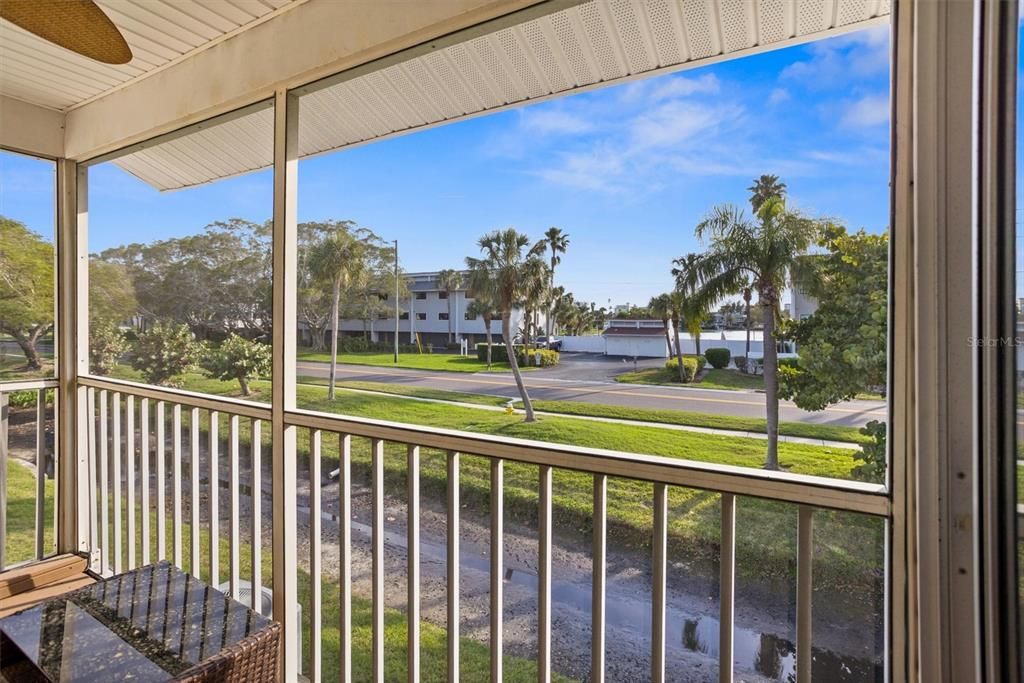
(108, 399)
(38, 391)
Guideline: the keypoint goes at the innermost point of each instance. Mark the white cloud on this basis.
(870, 110)
(778, 96)
(654, 90)
(860, 53)
(675, 122)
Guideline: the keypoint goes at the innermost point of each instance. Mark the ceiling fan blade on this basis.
(78, 25)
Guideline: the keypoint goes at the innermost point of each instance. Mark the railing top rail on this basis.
(8, 386)
(852, 496)
(189, 398)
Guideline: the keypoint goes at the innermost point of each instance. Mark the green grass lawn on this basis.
(850, 546)
(447, 362)
(712, 379)
(19, 543)
(675, 417)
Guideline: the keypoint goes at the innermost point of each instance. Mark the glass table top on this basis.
(149, 624)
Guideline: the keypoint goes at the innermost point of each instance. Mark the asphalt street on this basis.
(589, 380)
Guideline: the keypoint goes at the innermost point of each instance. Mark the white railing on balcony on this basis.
(136, 429)
(35, 399)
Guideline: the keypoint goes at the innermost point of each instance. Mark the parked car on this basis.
(553, 344)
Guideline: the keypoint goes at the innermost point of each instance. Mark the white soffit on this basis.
(159, 32)
(596, 42)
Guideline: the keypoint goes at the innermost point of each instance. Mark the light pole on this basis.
(396, 301)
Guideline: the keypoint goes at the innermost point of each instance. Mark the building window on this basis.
(469, 316)
(404, 316)
(382, 316)
(421, 316)
(442, 295)
(382, 297)
(420, 296)
(442, 316)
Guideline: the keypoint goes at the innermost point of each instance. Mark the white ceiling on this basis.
(159, 32)
(592, 43)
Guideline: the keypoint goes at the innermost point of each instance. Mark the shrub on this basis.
(498, 353)
(164, 352)
(789, 362)
(238, 358)
(872, 454)
(691, 366)
(547, 357)
(106, 346)
(718, 357)
(741, 363)
(28, 398)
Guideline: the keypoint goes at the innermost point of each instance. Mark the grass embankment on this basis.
(445, 362)
(713, 378)
(661, 416)
(474, 656)
(849, 546)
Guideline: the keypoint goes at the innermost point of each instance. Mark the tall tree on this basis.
(26, 288)
(677, 303)
(661, 306)
(843, 343)
(557, 242)
(449, 281)
(694, 304)
(481, 307)
(747, 296)
(314, 294)
(337, 260)
(762, 252)
(506, 263)
(764, 188)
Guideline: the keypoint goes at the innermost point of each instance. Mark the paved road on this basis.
(543, 384)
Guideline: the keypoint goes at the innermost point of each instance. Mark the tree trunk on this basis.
(449, 300)
(487, 329)
(696, 341)
(334, 340)
(28, 347)
(668, 340)
(506, 332)
(771, 396)
(747, 354)
(244, 383)
(679, 351)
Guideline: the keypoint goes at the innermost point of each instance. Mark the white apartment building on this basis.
(426, 312)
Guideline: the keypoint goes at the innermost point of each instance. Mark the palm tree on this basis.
(557, 241)
(694, 305)
(746, 299)
(535, 283)
(338, 259)
(449, 281)
(677, 301)
(759, 254)
(661, 306)
(505, 264)
(764, 188)
(481, 307)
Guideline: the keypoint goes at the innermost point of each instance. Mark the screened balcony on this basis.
(371, 541)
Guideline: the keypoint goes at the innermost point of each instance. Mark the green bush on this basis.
(163, 352)
(547, 357)
(238, 358)
(872, 455)
(789, 362)
(106, 346)
(498, 353)
(718, 357)
(28, 398)
(741, 363)
(691, 366)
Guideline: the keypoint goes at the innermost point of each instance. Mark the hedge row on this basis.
(691, 366)
(500, 355)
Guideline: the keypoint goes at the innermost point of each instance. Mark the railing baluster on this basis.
(130, 415)
(214, 494)
(176, 482)
(4, 410)
(804, 592)
(658, 579)
(544, 575)
(194, 492)
(40, 470)
(256, 527)
(104, 483)
(90, 407)
(117, 436)
(453, 566)
(378, 560)
(413, 554)
(726, 591)
(345, 555)
(599, 554)
(144, 476)
(233, 522)
(315, 630)
(161, 483)
(497, 565)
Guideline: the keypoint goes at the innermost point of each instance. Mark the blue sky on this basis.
(627, 170)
